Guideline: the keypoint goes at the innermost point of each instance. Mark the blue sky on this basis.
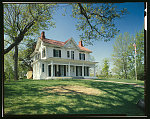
(65, 28)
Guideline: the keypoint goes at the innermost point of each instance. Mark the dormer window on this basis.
(43, 52)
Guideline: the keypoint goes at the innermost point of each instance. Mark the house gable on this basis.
(37, 47)
(71, 44)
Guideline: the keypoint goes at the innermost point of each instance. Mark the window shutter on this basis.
(44, 52)
(84, 56)
(53, 52)
(87, 71)
(80, 56)
(68, 55)
(64, 70)
(84, 71)
(81, 70)
(76, 70)
(42, 67)
(59, 53)
(72, 54)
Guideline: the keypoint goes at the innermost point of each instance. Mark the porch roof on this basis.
(69, 60)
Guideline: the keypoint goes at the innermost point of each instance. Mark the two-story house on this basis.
(53, 59)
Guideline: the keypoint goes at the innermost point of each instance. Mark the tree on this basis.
(24, 57)
(8, 66)
(105, 69)
(96, 21)
(22, 21)
(139, 41)
(91, 58)
(123, 54)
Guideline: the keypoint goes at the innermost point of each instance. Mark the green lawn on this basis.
(139, 82)
(74, 96)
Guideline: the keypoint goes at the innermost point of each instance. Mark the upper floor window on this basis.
(56, 53)
(81, 56)
(68, 54)
(72, 54)
(37, 56)
(43, 52)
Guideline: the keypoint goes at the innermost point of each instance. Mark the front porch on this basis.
(56, 70)
(69, 69)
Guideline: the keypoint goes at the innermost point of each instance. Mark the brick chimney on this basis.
(43, 35)
(80, 44)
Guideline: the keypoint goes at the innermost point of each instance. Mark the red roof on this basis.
(54, 42)
(60, 43)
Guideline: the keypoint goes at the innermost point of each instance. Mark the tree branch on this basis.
(83, 12)
(7, 41)
(20, 37)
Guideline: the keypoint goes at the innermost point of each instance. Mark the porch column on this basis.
(83, 69)
(69, 69)
(57, 67)
(94, 71)
(66, 71)
(57, 70)
(52, 68)
(75, 70)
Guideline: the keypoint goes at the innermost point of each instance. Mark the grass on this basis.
(71, 96)
(139, 82)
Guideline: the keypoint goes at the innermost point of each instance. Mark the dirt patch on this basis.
(72, 90)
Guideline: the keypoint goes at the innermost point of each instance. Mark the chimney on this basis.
(43, 35)
(80, 44)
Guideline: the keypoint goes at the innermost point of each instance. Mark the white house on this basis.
(54, 59)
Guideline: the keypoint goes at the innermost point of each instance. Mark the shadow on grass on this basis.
(117, 99)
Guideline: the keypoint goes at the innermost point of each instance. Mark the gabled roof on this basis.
(54, 42)
(60, 43)
(85, 49)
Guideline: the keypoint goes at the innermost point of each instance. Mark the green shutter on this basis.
(54, 53)
(80, 56)
(59, 53)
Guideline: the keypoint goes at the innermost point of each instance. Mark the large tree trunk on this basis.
(16, 63)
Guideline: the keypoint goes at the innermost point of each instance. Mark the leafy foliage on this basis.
(124, 55)
(105, 69)
(96, 20)
(21, 21)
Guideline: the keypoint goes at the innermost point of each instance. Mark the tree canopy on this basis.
(96, 21)
(124, 55)
(22, 21)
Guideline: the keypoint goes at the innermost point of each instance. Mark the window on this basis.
(81, 56)
(72, 54)
(37, 56)
(42, 67)
(43, 52)
(68, 54)
(56, 53)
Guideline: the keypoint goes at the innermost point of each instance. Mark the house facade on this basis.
(55, 59)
